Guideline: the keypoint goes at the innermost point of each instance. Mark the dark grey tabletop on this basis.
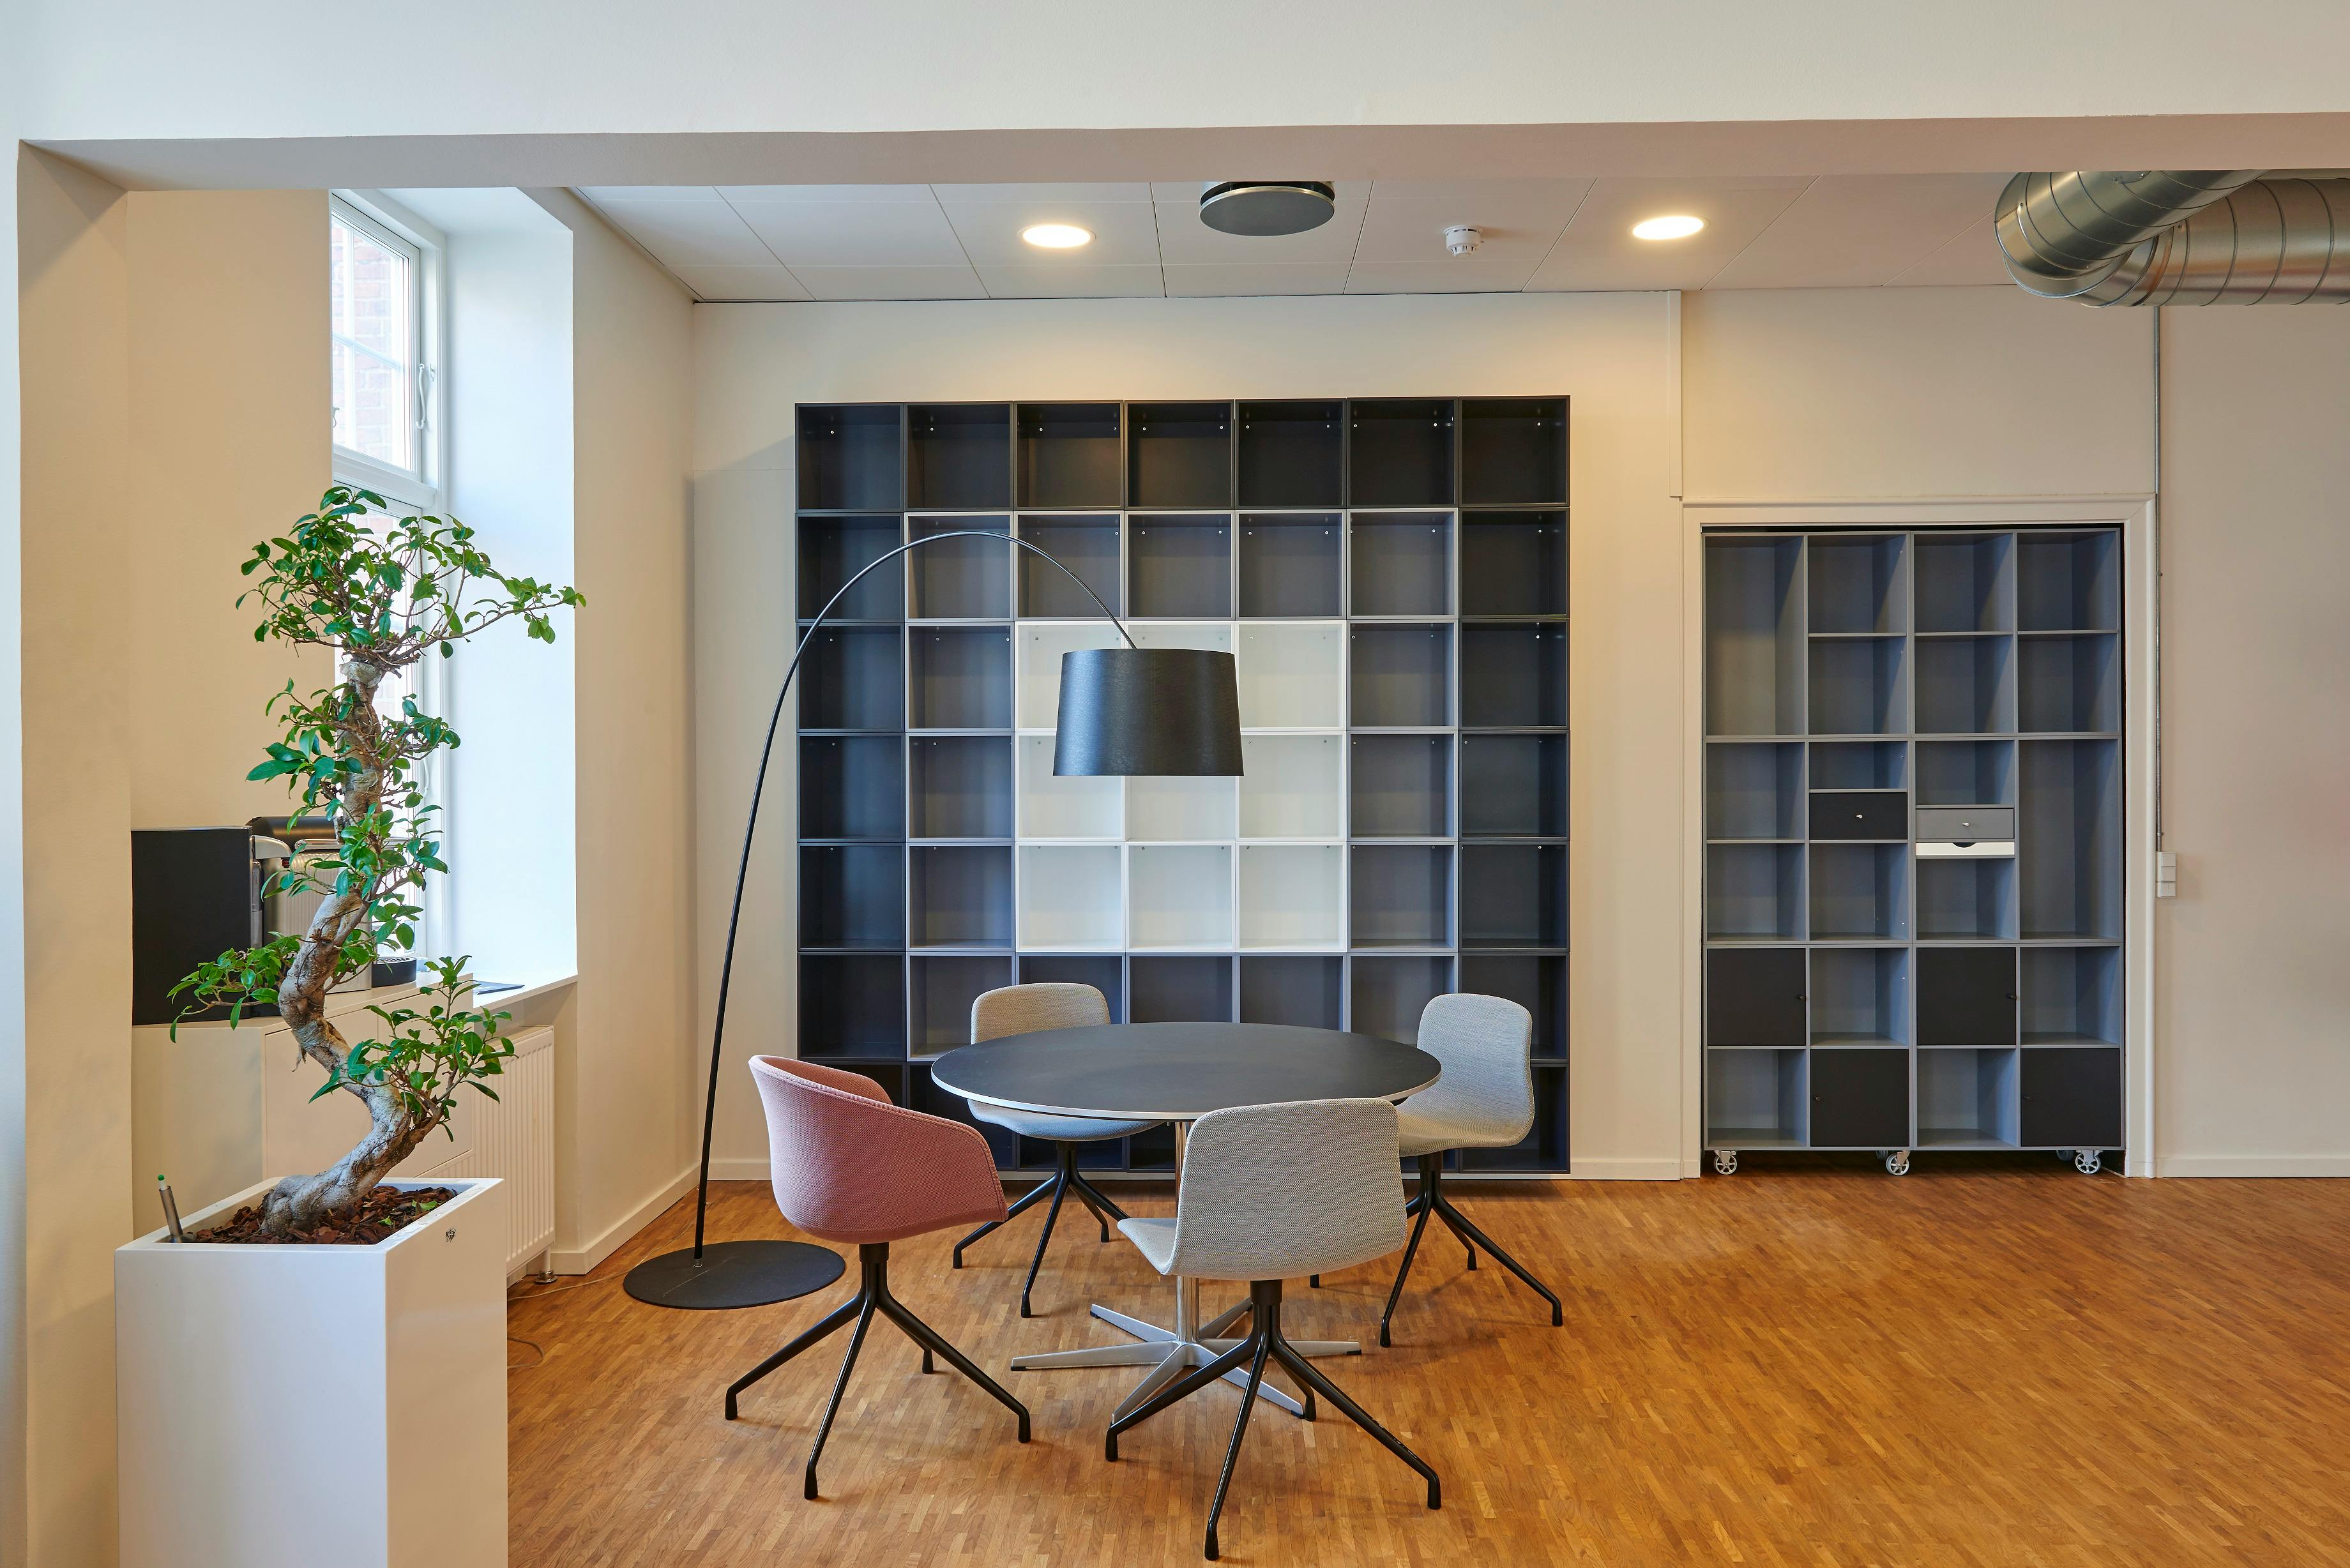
(1181, 1072)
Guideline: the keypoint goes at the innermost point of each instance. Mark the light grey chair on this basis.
(1029, 1010)
(1484, 1100)
(1269, 1193)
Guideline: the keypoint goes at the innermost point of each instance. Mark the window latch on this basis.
(424, 394)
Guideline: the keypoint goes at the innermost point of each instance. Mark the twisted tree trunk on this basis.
(304, 1202)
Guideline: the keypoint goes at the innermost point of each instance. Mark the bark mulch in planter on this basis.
(381, 1213)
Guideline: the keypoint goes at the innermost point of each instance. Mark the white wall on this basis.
(1609, 352)
(2251, 989)
(626, 1142)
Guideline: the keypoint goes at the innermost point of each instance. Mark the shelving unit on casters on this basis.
(1951, 668)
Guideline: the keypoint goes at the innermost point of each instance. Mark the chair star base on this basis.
(1065, 1178)
(873, 1294)
(1263, 1343)
(1430, 1199)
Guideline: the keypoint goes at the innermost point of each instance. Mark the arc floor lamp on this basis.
(1125, 712)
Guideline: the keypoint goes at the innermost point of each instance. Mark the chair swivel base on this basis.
(873, 1294)
(1430, 1199)
(1065, 1178)
(1264, 1342)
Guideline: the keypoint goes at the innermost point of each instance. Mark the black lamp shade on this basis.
(1131, 711)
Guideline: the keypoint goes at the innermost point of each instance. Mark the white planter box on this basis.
(299, 1406)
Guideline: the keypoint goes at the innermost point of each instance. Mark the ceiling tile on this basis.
(1125, 233)
(1182, 237)
(1103, 193)
(855, 234)
(1597, 250)
(891, 282)
(1201, 279)
(1520, 217)
(706, 232)
(1191, 190)
(1067, 282)
(601, 193)
(826, 192)
(1478, 273)
(1970, 257)
(1860, 231)
(723, 283)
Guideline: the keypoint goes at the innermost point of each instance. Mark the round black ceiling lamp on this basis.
(1264, 208)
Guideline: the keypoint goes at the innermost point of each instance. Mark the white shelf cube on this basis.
(1179, 895)
(1039, 647)
(1292, 675)
(1160, 809)
(1213, 635)
(1066, 808)
(1293, 786)
(1293, 897)
(1072, 898)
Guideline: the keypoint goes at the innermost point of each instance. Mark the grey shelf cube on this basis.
(1860, 892)
(1304, 990)
(852, 787)
(960, 579)
(939, 990)
(1857, 583)
(960, 786)
(1088, 547)
(1514, 786)
(1385, 993)
(1514, 563)
(834, 550)
(850, 457)
(959, 896)
(1071, 456)
(1860, 685)
(958, 677)
(853, 896)
(1292, 455)
(1514, 896)
(1400, 676)
(1400, 564)
(1754, 891)
(1180, 454)
(1966, 772)
(1755, 641)
(1180, 988)
(1179, 568)
(1290, 566)
(1513, 450)
(1966, 686)
(1400, 787)
(854, 678)
(2070, 683)
(2069, 580)
(1514, 675)
(1860, 996)
(1400, 452)
(1754, 790)
(1965, 583)
(957, 456)
(1400, 896)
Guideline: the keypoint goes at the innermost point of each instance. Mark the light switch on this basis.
(2166, 874)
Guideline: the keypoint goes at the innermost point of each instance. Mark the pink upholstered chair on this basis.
(848, 1165)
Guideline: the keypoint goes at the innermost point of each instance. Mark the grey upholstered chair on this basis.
(1269, 1193)
(1028, 1010)
(1484, 1100)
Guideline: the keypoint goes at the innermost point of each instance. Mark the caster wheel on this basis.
(1725, 1162)
(1898, 1163)
(2088, 1161)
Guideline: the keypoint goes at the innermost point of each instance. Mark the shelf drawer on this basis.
(1860, 1099)
(1882, 814)
(1965, 823)
(2073, 1097)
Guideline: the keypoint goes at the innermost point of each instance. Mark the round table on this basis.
(1178, 1072)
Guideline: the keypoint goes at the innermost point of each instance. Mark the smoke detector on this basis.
(1463, 238)
(1260, 209)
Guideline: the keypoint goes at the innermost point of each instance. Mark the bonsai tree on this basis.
(383, 595)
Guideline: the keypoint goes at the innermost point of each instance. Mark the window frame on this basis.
(388, 223)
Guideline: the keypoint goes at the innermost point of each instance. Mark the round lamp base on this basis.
(732, 1274)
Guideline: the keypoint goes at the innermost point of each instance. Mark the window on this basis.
(381, 345)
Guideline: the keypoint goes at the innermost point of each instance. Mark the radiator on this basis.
(512, 1137)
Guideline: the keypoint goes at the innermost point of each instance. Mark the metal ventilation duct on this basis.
(2222, 236)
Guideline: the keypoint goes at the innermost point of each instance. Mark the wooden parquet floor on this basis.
(2006, 1365)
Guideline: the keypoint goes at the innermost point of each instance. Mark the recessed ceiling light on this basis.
(1057, 236)
(1678, 226)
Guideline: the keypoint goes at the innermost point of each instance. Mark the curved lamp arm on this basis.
(759, 788)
